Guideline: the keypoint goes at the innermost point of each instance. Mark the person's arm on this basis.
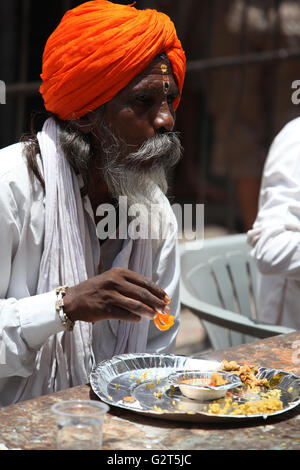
(275, 236)
(26, 323)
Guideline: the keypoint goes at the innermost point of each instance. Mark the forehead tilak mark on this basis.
(166, 80)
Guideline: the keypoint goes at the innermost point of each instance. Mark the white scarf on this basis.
(65, 360)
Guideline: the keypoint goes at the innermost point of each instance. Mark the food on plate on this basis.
(230, 366)
(232, 389)
(269, 403)
(268, 398)
(214, 381)
(204, 385)
(129, 399)
(247, 374)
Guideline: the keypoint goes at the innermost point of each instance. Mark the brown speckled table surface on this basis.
(31, 425)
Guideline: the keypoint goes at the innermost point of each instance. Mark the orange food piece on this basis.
(213, 381)
(164, 321)
(129, 398)
(217, 379)
(196, 382)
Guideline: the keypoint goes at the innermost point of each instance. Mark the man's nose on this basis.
(164, 118)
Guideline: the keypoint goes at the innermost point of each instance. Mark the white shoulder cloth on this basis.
(66, 358)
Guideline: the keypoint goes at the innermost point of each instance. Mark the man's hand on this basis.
(117, 294)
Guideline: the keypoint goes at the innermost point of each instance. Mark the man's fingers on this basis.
(134, 306)
(142, 295)
(142, 281)
(118, 313)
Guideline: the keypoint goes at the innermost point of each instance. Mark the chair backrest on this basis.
(222, 273)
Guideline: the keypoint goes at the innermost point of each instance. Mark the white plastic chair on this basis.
(218, 284)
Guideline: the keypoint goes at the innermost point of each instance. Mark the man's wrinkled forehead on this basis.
(158, 65)
(159, 68)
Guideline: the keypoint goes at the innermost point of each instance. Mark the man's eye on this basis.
(143, 98)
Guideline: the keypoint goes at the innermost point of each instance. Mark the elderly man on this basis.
(112, 80)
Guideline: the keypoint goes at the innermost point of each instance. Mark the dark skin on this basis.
(140, 111)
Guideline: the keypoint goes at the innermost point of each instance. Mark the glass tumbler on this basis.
(79, 424)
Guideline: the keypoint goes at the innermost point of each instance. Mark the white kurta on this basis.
(275, 236)
(27, 320)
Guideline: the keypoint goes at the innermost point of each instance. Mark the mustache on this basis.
(137, 174)
(164, 146)
(162, 149)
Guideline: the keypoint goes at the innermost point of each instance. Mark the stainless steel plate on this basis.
(144, 378)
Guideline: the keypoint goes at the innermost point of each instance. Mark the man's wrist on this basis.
(69, 304)
(66, 321)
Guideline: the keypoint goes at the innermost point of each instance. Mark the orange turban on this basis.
(97, 50)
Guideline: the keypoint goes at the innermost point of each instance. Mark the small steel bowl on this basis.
(203, 392)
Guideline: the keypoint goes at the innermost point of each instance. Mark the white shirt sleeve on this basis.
(275, 236)
(25, 323)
